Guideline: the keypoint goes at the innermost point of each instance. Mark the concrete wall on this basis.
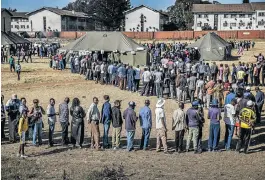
(52, 20)
(5, 21)
(259, 18)
(20, 23)
(203, 20)
(132, 19)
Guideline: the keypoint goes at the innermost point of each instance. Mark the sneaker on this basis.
(23, 156)
(114, 148)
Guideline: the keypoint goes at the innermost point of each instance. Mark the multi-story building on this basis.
(229, 16)
(54, 19)
(143, 18)
(5, 20)
(20, 22)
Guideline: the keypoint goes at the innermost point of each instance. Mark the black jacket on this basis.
(116, 117)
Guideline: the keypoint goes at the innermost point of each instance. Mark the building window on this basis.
(22, 26)
(27, 26)
(11, 26)
(233, 15)
(199, 24)
(241, 15)
(205, 15)
(226, 16)
(17, 26)
(233, 24)
(44, 23)
(261, 23)
(81, 20)
(225, 24)
(205, 24)
(261, 14)
(250, 15)
(199, 15)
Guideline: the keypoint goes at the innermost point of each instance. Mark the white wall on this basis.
(132, 19)
(259, 18)
(5, 17)
(52, 20)
(202, 19)
(20, 22)
(230, 20)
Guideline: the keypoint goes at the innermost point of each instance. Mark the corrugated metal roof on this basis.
(20, 14)
(200, 8)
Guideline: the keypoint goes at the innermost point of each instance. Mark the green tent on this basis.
(212, 47)
(130, 51)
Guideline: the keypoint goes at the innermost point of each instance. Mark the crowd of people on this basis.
(242, 112)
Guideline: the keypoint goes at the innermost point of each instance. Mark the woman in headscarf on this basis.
(77, 125)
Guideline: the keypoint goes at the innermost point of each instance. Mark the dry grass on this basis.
(39, 81)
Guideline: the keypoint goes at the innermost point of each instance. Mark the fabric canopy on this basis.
(12, 38)
(107, 41)
(212, 47)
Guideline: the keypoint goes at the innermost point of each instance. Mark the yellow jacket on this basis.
(247, 117)
(23, 125)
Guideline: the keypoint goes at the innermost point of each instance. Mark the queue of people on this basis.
(240, 116)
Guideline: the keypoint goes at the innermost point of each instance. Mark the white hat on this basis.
(250, 103)
(248, 88)
(160, 103)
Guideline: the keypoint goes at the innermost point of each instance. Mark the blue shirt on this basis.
(106, 112)
(229, 97)
(130, 119)
(145, 116)
(122, 72)
(260, 98)
(214, 114)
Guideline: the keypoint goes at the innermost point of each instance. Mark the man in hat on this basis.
(105, 120)
(179, 126)
(12, 108)
(229, 119)
(247, 118)
(193, 122)
(130, 121)
(249, 95)
(145, 116)
(214, 114)
(64, 120)
(259, 102)
(161, 126)
(116, 124)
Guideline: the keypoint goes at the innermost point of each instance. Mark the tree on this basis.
(109, 13)
(12, 10)
(245, 1)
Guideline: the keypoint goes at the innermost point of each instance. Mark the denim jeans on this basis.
(105, 135)
(130, 138)
(229, 131)
(191, 93)
(37, 132)
(145, 138)
(214, 136)
(51, 131)
(61, 65)
(158, 90)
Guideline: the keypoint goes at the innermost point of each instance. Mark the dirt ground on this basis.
(39, 81)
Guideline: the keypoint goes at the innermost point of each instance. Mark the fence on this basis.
(164, 35)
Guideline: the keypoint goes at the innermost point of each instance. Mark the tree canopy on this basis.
(109, 13)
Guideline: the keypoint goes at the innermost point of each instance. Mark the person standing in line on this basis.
(130, 121)
(12, 108)
(64, 120)
(229, 119)
(214, 114)
(259, 102)
(3, 118)
(18, 70)
(77, 125)
(137, 77)
(117, 125)
(230, 96)
(145, 116)
(122, 77)
(105, 120)
(12, 63)
(22, 128)
(179, 126)
(130, 79)
(36, 114)
(192, 121)
(51, 120)
(158, 79)
(29, 56)
(247, 118)
(93, 117)
(161, 126)
(146, 78)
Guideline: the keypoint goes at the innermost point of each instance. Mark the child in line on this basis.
(22, 128)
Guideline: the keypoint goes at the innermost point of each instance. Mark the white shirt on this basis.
(160, 113)
(229, 111)
(147, 76)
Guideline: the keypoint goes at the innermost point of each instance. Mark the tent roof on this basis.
(210, 40)
(12, 38)
(107, 41)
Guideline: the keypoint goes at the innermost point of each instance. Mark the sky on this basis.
(30, 5)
